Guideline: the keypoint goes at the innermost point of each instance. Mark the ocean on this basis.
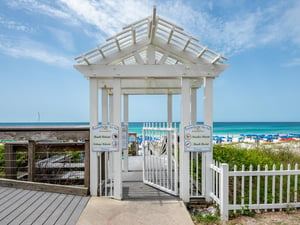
(219, 128)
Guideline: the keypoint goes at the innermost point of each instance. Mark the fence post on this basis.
(31, 160)
(224, 191)
(87, 163)
(10, 162)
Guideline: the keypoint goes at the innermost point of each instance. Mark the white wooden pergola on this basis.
(150, 56)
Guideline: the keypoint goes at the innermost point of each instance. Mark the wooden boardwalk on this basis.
(18, 206)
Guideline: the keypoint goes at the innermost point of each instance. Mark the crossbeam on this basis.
(148, 71)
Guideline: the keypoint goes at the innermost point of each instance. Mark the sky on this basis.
(39, 40)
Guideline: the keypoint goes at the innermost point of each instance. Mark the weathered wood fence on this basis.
(260, 189)
(45, 149)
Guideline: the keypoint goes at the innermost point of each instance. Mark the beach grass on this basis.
(264, 156)
(260, 155)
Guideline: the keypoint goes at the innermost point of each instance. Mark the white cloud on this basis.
(229, 33)
(24, 48)
(13, 25)
(108, 16)
(292, 63)
(45, 8)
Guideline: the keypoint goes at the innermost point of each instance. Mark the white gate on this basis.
(160, 157)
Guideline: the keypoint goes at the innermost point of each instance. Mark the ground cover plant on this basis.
(262, 157)
(2, 162)
(265, 155)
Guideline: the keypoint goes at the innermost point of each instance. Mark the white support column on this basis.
(93, 122)
(184, 156)
(170, 104)
(125, 123)
(208, 120)
(104, 106)
(117, 156)
(194, 155)
(111, 106)
(169, 140)
(103, 163)
(194, 106)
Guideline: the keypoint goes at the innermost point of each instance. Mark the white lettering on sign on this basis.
(105, 138)
(197, 138)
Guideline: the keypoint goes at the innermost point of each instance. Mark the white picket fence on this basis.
(260, 189)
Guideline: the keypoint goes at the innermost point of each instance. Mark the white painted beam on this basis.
(151, 91)
(124, 53)
(146, 71)
(138, 58)
(163, 59)
(150, 55)
(150, 83)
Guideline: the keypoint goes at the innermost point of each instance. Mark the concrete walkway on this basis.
(106, 211)
(142, 204)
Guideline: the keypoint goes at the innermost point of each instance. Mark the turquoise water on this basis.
(220, 128)
(237, 128)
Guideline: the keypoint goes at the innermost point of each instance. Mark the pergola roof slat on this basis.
(156, 31)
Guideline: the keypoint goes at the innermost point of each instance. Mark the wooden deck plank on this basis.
(11, 199)
(59, 211)
(5, 192)
(21, 207)
(47, 213)
(18, 206)
(3, 189)
(15, 204)
(40, 210)
(41, 197)
(69, 210)
(77, 212)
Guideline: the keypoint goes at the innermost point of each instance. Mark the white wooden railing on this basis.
(260, 189)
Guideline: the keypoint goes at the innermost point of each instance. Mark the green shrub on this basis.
(259, 156)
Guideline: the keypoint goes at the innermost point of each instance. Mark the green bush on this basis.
(2, 156)
(259, 156)
(279, 155)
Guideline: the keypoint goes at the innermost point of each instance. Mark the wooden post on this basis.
(31, 160)
(103, 156)
(126, 124)
(93, 122)
(207, 157)
(117, 156)
(169, 140)
(224, 191)
(184, 156)
(87, 163)
(10, 162)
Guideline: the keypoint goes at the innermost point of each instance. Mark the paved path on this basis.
(155, 212)
(142, 204)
